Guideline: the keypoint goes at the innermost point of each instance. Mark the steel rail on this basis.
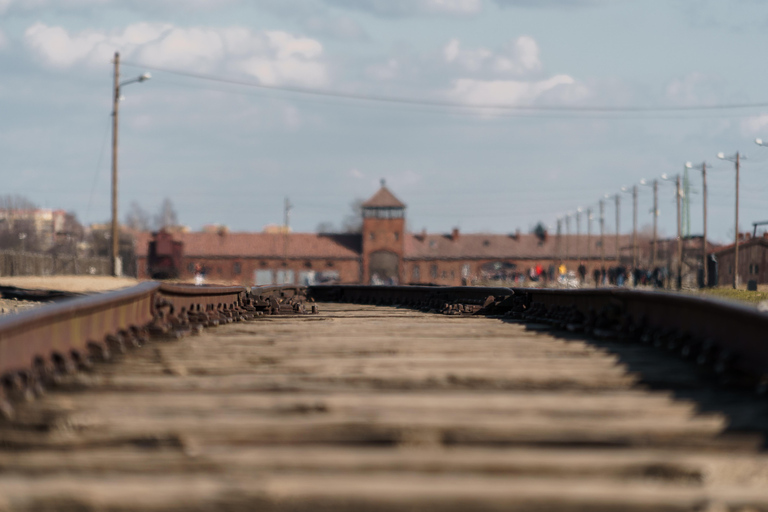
(728, 337)
(38, 345)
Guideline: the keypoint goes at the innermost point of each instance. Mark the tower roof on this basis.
(383, 199)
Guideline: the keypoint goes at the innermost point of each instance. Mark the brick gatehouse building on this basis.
(383, 253)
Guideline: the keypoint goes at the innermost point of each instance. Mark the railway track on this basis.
(387, 398)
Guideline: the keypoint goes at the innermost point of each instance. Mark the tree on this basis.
(138, 218)
(540, 230)
(167, 216)
(325, 227)
(353, 221)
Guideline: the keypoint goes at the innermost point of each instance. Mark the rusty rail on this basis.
(725, 337)
(39, 345)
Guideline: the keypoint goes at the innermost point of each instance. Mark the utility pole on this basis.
(736, 236)
(115, 228)
(286, 228)
(654, 249)
(679, 236)
(589, 237)
(617, 198)
(634, 227)
(567, 236)
(602, 238)
(559, 244)
(704, 238)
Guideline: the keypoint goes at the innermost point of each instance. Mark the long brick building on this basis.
(382, 253)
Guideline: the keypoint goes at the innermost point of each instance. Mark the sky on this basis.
(486, 115)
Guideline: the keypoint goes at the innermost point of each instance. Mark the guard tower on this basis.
(383, 238)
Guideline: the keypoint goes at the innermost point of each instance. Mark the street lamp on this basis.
(678, 195)
(736, 159)
(616, 199)
(703, 167)
(116, 103)
(633, 191)
(655, 211)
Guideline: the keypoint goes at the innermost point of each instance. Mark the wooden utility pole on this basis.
(115, 228)
(634, 228)
(589, 237)
(602, 238)
(559, 244)
(704, 237)
(679, 235)
(616, 199)
(567, 236)
(736, 234)
(654, 249)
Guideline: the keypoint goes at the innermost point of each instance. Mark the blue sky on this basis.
(229, 154)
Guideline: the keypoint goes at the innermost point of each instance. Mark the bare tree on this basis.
(167, 216)
(325, 227)
(353, 221)
(138, 218)
(15, 202)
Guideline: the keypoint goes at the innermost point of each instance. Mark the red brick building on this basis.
(753, 261)
(383, 253)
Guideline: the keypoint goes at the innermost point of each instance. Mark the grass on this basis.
(737, 295)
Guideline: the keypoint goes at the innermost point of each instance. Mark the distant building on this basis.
(43, 223)
(753, 260)
(383, 253)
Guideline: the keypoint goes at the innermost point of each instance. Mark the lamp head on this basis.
(688, 165)
(759, 142)
(721, 155)
(643, 181)
(144, 77)
(664, 176)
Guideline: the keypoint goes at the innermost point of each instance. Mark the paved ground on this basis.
(79, 284)
(365, 408)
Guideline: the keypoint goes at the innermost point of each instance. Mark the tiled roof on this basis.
(383, 199)
(262, 245)
(419, 246)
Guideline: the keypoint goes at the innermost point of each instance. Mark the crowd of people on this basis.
(606, 276)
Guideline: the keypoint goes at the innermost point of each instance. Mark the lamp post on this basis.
(567, 236)
(678, 195)
(616, 200)
(589, 237)
(703, 168)
(115, 109)
(602, 239)
(633, 191)
(655, 211)
(736, 159)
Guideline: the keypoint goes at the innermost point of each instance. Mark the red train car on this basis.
(164, 256)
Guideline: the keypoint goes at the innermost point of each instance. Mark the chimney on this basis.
(423, 234)
(455, 234)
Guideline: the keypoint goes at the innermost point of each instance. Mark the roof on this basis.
(262, 245)
(491, 246)
(383, 199)
(749, 242)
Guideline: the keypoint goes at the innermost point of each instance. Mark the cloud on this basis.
(518, 57)
(273, 57)
(694, 89)
(513, 92)
(755, 125)
(343, 28)
(546, 4)
(385, 71)
(403, 8)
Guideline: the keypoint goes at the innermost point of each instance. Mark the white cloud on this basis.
(411, 7)
(693, 89)
(755, 125)
(518, 57)
(385, 71)
(355, 173)
(343, 28)
(273, 57)
(507, 92)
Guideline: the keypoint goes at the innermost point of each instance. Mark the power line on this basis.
(447, 104)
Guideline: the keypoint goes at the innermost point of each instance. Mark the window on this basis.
(329, 264)
(308, 264)
(433, 271)
(190, 267)
(465, 270)
(372, 236)
(416, 273)
(236, 268)
(397, 236)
